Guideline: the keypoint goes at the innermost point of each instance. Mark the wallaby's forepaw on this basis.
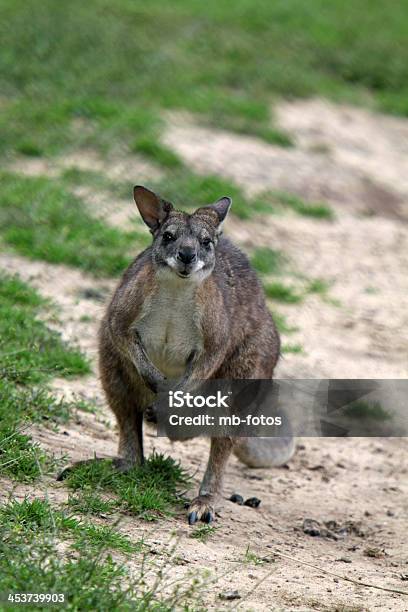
(124, 465)
(201, 509)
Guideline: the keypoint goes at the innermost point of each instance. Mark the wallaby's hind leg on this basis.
(202, 507)
(131, 438)
(127, 397)
(125, 401)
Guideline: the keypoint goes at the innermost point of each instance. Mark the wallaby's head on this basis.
(183, 244)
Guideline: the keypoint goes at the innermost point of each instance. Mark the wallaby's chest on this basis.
(168, 328)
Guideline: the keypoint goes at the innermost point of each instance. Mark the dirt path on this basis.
(363, 482)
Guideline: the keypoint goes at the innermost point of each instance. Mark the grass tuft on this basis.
(268, 261)
(282, 324)
(88, 502)
(366, 410)
(296, 349)
(318, 286)
(149, 491)
(203, 532)
(282, 293)
(252, 558)
(317, 210)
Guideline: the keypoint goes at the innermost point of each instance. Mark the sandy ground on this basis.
(358, 162)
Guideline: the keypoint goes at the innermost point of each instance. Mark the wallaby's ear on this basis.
(152, 208)
(221, 207)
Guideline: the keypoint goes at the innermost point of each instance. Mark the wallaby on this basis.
(189, 307)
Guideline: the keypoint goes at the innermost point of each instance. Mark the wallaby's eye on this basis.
(168, 237)
(206, 242)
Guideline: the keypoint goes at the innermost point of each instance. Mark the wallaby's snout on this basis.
(188, 257)
(187, 254)
(186, 261)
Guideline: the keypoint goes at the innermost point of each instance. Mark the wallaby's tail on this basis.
(264, 452)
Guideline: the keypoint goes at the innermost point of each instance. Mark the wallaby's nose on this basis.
(186, 255)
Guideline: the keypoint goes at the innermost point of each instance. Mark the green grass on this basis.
(20, 457)
(282, 324)
(149, 491)
(41, 219)
(321, 287)
(184, 188)
(366, 410)
(317, 210)
(156, 152)
(282, 293)
(31, 561)
(29, 350)
(188, 191)
(106, 536)
(37, 516)
(31, 354)
(86, 501)
(203, 533)
(268, 261)
(295, 349)
(115, 67)
(75, 177)
(318, 286)
(252, 558)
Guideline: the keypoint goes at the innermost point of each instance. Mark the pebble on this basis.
(237, 499)
(252, 502)
(229, 595)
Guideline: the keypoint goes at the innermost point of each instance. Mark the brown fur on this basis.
(238, 340)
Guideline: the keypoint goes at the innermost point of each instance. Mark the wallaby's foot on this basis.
(201, 509)
(124, 465)
(120, 464)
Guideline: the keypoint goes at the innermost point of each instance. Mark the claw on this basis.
(207, 517)
(192, 518)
